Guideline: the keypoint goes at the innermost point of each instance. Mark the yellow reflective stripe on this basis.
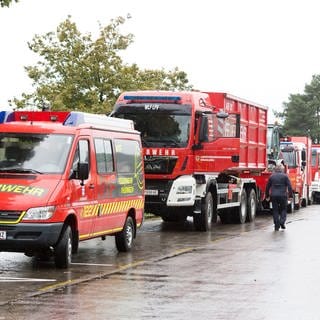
(95, 234)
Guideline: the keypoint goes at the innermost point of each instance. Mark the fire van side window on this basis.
(104, 155)
(128, 157)
(81, 155)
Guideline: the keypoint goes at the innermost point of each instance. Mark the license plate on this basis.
(3, 235)
(151, 192)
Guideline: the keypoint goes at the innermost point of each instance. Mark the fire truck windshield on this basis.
(159, 127)
(34, 153)
(289, 157)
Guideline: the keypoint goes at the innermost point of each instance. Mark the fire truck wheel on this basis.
(251, 206)
(290, 207)
(202, 221)
(124, 238)
(63, 249)
(241, 212)
(297, 204)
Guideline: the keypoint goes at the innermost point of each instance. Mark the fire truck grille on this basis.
(160, 165)
(9, 216)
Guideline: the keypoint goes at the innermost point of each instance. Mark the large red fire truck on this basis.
(296, 153)
(67, 177)
(315, 168)
(204, 154)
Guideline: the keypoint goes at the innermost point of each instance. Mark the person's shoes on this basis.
(282, 226)
(276, 228)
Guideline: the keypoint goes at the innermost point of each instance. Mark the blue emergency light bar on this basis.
(76, 118)
(163, 99)
(4, 116)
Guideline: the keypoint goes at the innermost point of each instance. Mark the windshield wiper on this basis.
(19, 170)
(170, 142)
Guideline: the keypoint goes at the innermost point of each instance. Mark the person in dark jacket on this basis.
(279, 187)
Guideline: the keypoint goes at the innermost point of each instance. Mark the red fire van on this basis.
(67, 177)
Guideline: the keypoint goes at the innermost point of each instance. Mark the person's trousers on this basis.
(279, 210)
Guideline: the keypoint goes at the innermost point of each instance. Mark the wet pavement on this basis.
(233, 272)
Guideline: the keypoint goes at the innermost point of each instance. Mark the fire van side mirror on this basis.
(83, 171)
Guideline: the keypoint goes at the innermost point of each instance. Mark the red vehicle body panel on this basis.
(252, 143)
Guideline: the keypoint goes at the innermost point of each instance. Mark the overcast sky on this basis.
(260, 50)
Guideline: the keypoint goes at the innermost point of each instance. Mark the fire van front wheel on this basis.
(124, 239)
(63, 249)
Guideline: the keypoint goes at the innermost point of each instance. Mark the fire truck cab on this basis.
(67, 177)
(315, 167)
(296, 153)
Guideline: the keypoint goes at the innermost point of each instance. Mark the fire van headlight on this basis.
(184, 190)
(40, 213)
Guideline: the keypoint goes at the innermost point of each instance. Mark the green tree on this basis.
(312, 92)
(6, 3)
(298, 113)
(78, 73)
(301, 114)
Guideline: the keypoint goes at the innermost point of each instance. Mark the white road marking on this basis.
(13, 279)
(92, 264)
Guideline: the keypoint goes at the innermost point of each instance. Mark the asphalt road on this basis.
(232, 272)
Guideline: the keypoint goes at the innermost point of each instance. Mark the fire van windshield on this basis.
(159, 128)
(34, 153)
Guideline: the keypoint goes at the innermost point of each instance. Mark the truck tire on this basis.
(290, 207)
(63, 249)
(203, 221)
(296, 204)
(241, 212)
(251, 206)
(124, 238)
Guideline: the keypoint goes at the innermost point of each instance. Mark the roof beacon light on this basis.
(154, 99)
(4, 115)
(47, 116)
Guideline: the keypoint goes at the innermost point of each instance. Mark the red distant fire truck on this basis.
(296, 153)
(315, 168)
(204, 154)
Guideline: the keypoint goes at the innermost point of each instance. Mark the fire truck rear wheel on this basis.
(251, 206)
(203, 221)
(241, 212)
(290, 207)
(124, 238)
(63, 249)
